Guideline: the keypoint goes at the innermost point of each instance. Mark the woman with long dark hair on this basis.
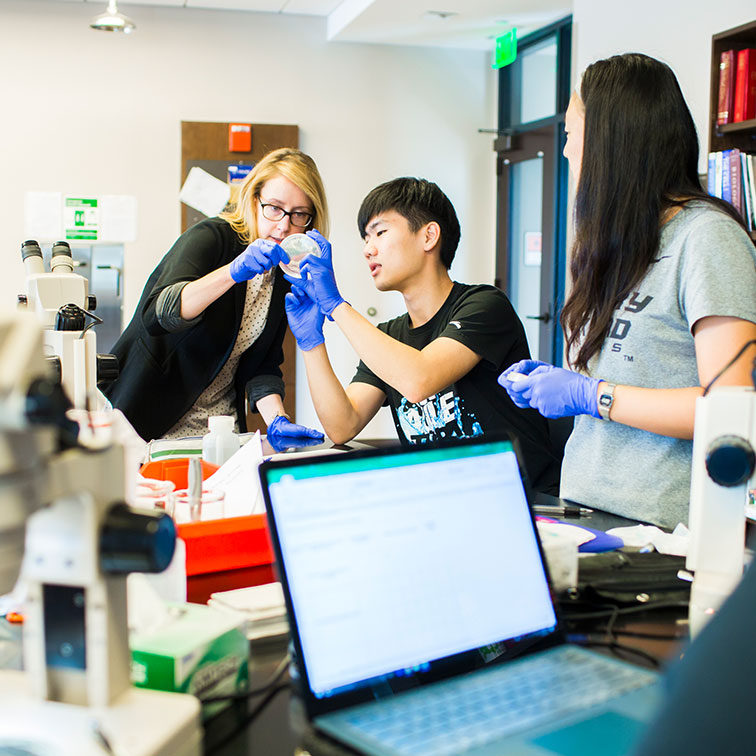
(663, 295)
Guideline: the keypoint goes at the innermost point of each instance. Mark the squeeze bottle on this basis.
(221, 442)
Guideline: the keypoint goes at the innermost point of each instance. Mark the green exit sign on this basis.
(505, 51)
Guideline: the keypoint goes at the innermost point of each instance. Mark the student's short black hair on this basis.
(420, 202)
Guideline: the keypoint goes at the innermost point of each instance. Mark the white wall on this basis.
(676, 31)
(89, 113)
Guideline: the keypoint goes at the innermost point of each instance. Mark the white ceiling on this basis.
(470, 24)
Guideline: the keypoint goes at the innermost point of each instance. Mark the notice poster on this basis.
(81, 218)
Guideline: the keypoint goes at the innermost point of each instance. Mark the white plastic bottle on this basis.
(221, 442)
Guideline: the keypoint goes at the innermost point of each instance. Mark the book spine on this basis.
(735, 180)
(745, 165)
(726, 188)
(750, 87)
(711, 174)
(724, 104)
(718, 183)
(738, 108)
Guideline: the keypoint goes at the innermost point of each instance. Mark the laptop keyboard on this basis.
(470, 711)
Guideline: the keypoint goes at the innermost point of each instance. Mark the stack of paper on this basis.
(261, 607)
(237, 478)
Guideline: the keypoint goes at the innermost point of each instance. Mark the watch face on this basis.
(605, 401)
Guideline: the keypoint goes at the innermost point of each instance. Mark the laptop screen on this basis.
(393, 561)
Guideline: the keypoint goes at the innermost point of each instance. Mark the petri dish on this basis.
(298, 246)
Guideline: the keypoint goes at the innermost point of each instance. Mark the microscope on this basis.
(724, 462)
(81, 541)
(61, 301)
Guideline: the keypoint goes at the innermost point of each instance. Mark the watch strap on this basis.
(605, 399)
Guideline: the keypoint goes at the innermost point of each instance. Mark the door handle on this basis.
(118, 276)
(545, 318)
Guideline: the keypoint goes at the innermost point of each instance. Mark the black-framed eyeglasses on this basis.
(274, 212)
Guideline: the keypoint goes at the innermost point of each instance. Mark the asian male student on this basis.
(436, 365)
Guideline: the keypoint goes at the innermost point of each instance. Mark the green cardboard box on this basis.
(202, 652)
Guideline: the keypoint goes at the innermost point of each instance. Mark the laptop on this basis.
(421, 613)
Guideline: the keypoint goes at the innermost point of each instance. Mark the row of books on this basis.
(732, 176)
(737, 86)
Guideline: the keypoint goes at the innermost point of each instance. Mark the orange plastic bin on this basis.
(220, 554)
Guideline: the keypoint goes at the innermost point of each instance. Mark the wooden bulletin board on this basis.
(206, 145)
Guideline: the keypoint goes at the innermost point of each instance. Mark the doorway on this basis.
(532, 180)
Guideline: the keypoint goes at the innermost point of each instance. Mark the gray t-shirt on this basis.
(706, 266)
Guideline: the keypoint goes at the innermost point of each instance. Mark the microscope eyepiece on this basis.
(31, 254)
(30, 248)
(62, 258)
(61, 248)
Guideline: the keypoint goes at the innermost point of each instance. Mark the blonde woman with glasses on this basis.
(209, 327)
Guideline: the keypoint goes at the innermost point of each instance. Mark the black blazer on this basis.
(161, 373)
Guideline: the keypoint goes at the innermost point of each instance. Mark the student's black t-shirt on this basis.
(482, 318)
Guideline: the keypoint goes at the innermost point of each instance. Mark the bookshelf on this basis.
(741, 135)
(729, 136)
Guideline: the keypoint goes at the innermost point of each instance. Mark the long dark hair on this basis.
(640, 157)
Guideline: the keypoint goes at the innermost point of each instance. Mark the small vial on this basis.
(221, 442)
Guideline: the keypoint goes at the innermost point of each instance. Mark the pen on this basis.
(562, 510)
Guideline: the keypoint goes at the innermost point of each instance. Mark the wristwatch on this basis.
(605, 399)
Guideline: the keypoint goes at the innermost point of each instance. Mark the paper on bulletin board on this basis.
(43, 216)
(118, 218)
(204, 192)
(49, 216)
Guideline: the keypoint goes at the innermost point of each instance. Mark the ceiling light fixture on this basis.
(111, 20)
(440, 14)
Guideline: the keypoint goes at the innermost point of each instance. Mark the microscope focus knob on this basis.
(91, 302)
(46, 403)
(70, 317)
(730, 461)
(134, 541)
(107, 368)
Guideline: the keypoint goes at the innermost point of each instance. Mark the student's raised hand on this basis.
(319, 270)
(553, 391)
(305, 319)
(258, 257)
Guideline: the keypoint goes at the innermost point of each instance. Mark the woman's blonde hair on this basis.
(292, 164)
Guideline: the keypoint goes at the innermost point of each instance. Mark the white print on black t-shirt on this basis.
(621, 327)
(439, 416)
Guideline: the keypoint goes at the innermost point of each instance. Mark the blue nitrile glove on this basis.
(305, 319)
(523, 367)
(319, 270)
(554, 392)
(282, 428)
(258, 257)
(282, 443)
